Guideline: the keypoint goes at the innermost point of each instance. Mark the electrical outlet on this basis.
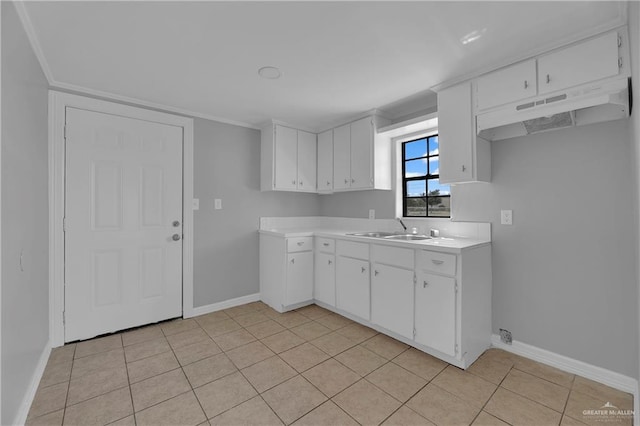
(506, 217)
(505, 336)
(372, 214)
(217, 204)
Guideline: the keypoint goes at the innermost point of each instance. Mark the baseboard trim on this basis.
(207, 309)
(23, 412)
(570, 365)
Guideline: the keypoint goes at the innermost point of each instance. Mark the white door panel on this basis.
(123, 192)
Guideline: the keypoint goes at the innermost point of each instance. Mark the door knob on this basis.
(176, 223)
(175, 237)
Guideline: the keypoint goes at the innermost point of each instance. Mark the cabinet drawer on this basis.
(433, 261)
(299, 244)
(351, 249)
(394, 256)
(326, 245)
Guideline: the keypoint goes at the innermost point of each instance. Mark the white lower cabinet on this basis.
(352, 286)
(299, 277)
(286, 271)
(324, 289)
(435, 312)
(434, 300)
(392, 299)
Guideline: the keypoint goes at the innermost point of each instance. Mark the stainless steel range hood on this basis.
(591, 103)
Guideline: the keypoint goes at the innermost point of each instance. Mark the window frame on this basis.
(424, 178)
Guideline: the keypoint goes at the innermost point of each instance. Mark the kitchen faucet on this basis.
(402, 223)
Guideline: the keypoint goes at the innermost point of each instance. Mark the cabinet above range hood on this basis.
(590, 103)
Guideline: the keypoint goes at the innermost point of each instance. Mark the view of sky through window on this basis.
(424, 195)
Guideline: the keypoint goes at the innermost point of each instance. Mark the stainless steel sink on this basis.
(391, 235)
(407, 237)
(375, 234)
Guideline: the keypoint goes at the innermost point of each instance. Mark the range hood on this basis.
(591, 103)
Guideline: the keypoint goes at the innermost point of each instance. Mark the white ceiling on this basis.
(338, 59)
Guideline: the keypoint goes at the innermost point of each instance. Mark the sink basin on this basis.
(375, 234)
(408, 237)
(391, 235)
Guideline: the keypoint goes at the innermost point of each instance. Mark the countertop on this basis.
(444, 244)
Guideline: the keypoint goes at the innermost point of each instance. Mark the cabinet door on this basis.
(299, 277)
(352, 286)
(306, 161)
(581, 63)
(286, 158)
(456, 134)
(507, 85)
(435, 317)
(362, 153)
(325, 161)
(325, 279)
(342, 157)
(392, 299)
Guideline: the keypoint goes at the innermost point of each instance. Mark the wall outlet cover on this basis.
(506, 217)
(217, 204)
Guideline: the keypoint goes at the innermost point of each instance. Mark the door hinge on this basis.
(456, 348)
(64, 318)
(415, 280)
(65, 132)
(64, 224)
(619, 41)
(620, 62)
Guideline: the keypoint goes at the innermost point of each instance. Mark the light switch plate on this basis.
(196, 204)
(506, 217)
(217, 203)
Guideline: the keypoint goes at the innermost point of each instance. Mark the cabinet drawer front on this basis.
(299, 244)
(394, 256)
(433, 261)
(326, 245)
(351, 249)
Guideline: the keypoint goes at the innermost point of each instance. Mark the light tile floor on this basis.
(250, 365)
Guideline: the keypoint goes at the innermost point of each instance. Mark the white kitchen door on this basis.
(123, 223)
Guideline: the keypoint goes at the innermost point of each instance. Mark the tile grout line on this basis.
(126, 369)
(66, 399)
(491, 396)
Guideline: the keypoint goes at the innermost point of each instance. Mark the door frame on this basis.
(58, 102)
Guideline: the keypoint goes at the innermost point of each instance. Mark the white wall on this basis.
(227, 166)
(634, 124)
(25, 295)
(564, 275)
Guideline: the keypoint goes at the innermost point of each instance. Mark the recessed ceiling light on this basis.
(270, 73)
(473, 36)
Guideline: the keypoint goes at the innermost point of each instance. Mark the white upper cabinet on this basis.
(362, 145)
(506, 85)
(580, 63)
(307, 164)
(342, 157)
(361, 160)
(288, 159)
(464, 157)
(325, 161)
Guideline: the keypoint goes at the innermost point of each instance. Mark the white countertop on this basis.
(445, 244)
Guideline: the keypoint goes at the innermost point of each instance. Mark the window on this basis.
(423, 194)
